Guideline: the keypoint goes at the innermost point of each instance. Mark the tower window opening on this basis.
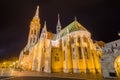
(116, 44)
(112, 74)
(80, 52)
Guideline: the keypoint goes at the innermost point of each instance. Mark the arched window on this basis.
(72, 40)
(35, 32)
(84, 39)
(33, 39)
(31, 31)
(78, 39)
(80, 52)
(86, 52)
(116, 44)
(56, 57)
(64, 55)
(74, 55)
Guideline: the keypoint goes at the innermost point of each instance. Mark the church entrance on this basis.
(56, 60)
(117, 65)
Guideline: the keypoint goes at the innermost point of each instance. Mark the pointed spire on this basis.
(75, 18)
(37, 12)
(44, 31)
(45, 28)
(58, 24)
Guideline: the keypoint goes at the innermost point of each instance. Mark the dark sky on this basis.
(100, 17)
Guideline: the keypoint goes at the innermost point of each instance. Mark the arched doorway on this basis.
(117, 65)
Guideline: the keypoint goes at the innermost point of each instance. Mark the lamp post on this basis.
(13, 65)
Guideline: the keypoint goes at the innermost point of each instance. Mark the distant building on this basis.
(70, 50)
(110, 61)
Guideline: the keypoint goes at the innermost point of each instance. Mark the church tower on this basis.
(58, 25)
(34, 30)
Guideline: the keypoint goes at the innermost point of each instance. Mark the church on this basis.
(70, 50)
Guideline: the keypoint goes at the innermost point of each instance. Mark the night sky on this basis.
(100, 17)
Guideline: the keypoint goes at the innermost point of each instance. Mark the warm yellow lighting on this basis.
(13, 63)
(71, 50)
(117, 65)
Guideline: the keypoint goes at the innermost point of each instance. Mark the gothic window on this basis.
(52, 51)
(56, 57)
(33, 40)
(84, 39)
(34, 32)
(64, 55)
(78, 39)
(112, 48)
(80, 52)
(73, 49)
(85, 52)
(72, 40)
(112, 74)
(74, 55)
(116, 44)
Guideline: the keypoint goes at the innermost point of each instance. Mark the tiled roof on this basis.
(74, 26)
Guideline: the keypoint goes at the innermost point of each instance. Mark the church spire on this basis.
(34, 30)
(45, 28)
(58, 24)
(44, 31)
(37, 12)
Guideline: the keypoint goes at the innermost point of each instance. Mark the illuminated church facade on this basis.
(70, 50)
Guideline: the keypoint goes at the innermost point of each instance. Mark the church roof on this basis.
(74, 26)
(50, 35)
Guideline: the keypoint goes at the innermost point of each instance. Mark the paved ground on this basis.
(46, 78)
(10, 74)
(6, 72)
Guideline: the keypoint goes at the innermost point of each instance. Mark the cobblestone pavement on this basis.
(17, 75)
(45, 78)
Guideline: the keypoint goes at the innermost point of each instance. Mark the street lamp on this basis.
(119, 34)
(13, 65)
